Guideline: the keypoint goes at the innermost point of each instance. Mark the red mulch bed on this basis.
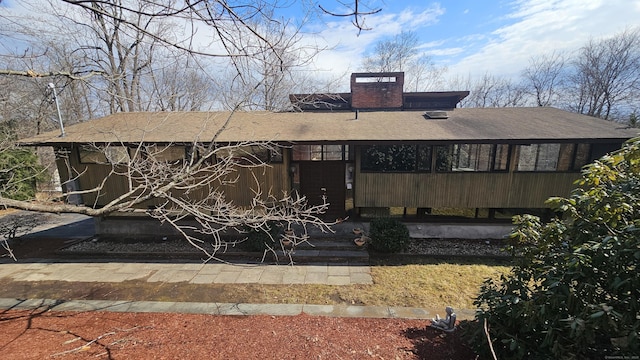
(41, 334)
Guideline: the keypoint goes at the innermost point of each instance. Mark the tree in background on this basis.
(402, 54)
(574, 293)
(606, 75)
(601, 79)
(491, 91)
(546, 76)
(136, 55)
(20, 169)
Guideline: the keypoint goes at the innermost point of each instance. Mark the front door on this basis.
(318, 178)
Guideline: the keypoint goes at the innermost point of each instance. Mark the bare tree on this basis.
(401, 54)
(117, 62)
(606, 75)
(546, 75)
(181, 85)
(490, 91)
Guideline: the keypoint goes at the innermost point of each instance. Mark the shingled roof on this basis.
(514, 125)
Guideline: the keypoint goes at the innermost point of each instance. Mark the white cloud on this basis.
(444, 51)
(348, 46)
(543, 26)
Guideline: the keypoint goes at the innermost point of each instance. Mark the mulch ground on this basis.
(42, 334)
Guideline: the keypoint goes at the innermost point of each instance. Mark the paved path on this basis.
(193, 273)
(218, 308)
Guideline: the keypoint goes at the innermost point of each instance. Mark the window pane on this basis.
(548, 157)
(527, 157)
(565, 157)
(424, 158)
(301, 152)
(389, 158)
(444, 158)
(92, 157)
(254, 154)
(582, 156)
(538, 157)
(108, 155)
(473, 157)
(484, 155)
(275, 155)
(502, 157)
(167, 153)
(316, 152)
(462, 157)
(333, 152)
(348, 154)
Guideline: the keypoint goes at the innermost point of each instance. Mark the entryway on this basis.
(318, 178)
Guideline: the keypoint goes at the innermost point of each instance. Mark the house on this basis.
(375, 151)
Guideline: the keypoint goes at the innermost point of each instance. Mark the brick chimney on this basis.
(377, 90)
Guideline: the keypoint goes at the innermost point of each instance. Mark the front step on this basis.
(319, 250)
(338, 250)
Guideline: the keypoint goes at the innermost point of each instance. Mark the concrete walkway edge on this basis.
(382, 312)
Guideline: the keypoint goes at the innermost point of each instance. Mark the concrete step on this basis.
(323, 250)
(320, 250)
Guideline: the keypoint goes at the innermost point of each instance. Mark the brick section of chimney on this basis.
(377, 90)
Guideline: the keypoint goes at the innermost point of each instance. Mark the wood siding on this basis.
(272, 179)
(467, 190)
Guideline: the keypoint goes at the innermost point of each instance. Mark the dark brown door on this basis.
(318, 178)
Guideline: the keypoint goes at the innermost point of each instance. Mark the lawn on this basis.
(430, 284)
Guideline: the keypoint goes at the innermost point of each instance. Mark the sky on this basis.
(471, 37)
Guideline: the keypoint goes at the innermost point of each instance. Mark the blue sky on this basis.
(469, 37)
(473, 37)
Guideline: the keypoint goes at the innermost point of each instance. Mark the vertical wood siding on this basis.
(271, 179)
(469, 189)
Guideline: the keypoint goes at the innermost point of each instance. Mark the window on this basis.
(501, 158)
(567, 152)
(108, 155)
(320, 152)
(583, 152)
(471, 157)
(423, 161)
(170, 153)
(395, 158)
(552, 157)
(332, 152)
(247, 155)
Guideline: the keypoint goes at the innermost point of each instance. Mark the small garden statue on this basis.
(448, 324)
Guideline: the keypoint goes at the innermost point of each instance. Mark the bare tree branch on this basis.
(36, 74)
(357, 14)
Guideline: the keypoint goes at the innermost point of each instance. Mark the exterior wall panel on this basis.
(271, 179)
(467, 190)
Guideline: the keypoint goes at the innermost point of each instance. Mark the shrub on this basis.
(388, 235)
(19, 174)
(575, 292)
(262, 238)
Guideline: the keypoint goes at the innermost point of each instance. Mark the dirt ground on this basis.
(42, 334)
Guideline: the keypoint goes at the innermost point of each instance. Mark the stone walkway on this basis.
(193, 273)
(218, 308)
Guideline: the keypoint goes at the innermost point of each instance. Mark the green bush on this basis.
(19, 174)
(575, 293)
(262, 238)
(388, 235)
